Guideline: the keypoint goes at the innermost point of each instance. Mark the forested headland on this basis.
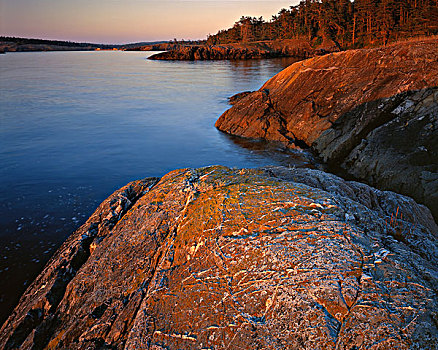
(351, 24)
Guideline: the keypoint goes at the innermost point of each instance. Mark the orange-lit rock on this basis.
(216, 258)
(372, 113)
(310, 95)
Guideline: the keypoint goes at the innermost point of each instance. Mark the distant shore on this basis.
(13, 44)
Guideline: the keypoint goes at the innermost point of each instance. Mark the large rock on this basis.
(390, 143)
(370, 112)
(216, 258)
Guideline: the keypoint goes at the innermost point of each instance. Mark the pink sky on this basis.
(123, 21)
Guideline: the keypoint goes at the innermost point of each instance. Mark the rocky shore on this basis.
(218, 258)
(371, 114)
(298, 48)
(269, 258)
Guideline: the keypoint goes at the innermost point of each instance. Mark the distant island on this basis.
(17, 44)
(14, 44)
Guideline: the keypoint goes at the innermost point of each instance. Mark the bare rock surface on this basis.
(391, 144)
(219, 258)
(372, 113)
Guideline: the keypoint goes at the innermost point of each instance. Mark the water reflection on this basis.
(276, 151)
(281, 62)
(247, 69)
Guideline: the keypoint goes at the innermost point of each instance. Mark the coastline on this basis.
(80, 116)
(273, 185)
(375, 232)
(297, 48)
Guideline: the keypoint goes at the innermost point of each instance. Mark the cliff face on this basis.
(272, 258)
(357, 109)
(262, 49)
(391, 143)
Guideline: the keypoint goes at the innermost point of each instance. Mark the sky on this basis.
(127, 21)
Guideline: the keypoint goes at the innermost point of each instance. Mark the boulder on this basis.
(220, 258)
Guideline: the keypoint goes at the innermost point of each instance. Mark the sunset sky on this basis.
(123, 21)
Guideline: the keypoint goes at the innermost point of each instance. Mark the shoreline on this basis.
(32, 194)
(412, 232)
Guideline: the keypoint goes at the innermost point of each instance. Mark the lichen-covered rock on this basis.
(217, 258)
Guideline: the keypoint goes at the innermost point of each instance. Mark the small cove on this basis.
(75, 126)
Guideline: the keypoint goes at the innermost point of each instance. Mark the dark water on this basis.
(75, 126)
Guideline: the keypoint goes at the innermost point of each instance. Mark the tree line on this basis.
(349, 23)
(27, 41)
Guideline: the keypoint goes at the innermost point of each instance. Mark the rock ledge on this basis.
(371, 113)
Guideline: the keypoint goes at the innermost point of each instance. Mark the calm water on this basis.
(75, 126)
